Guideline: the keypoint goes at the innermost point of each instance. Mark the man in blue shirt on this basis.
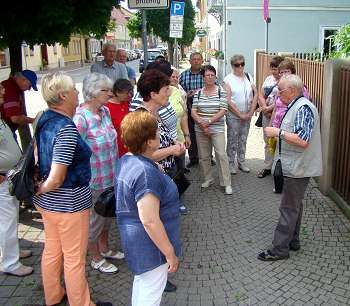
(109, 66)
(122, 58)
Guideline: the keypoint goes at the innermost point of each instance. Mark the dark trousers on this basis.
(291, 210)
(192, 150)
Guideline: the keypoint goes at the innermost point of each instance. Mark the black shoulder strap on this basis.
(247, 75)
(219, 92)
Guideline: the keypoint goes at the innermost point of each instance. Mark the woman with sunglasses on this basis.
(242, 101)
(118, 107)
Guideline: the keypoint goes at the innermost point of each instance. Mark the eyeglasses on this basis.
(282, 90)
(210, 75)
(239, 64)
(106, 90)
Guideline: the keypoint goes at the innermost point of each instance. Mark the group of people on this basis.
(136, 144)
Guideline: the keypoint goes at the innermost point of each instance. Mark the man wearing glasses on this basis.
(301, 158)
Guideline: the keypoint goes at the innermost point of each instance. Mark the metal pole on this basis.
(175, 54)
(268, 20)
(144, 38)
(224, 26)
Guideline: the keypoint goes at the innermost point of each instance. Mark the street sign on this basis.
(201, 33)
(148, 4)
(177, 10)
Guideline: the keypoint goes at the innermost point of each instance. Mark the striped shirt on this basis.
(209, 106)
(166, 113)
(65, 199)
(304, 123)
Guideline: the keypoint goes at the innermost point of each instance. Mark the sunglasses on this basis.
(239, 64)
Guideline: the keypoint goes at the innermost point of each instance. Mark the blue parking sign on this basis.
(177, 8)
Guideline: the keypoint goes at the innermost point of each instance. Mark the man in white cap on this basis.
(13, 110)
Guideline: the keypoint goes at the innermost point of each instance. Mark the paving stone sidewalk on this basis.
(221, 237)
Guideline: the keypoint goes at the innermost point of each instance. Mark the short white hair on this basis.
(107, 46)
(93, 83)
(293, 81)
(53, 84)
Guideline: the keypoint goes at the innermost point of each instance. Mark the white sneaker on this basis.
(228, 190)
(207, 183)
(109, 255)
(243, 168)
(233, 169)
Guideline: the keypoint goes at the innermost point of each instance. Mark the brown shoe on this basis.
(25, 253)
(21, 271)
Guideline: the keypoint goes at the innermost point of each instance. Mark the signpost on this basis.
(177, 11)
(267, 21)
(143, 5)
(148, 4)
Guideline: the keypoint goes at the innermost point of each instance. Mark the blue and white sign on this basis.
(177, 8)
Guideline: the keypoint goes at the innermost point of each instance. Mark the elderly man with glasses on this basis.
(301, 158)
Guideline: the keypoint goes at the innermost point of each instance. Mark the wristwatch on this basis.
(187, 135)
(282, 134)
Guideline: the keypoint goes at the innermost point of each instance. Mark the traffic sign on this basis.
(148, 4)
(201, 33)
(177, 8)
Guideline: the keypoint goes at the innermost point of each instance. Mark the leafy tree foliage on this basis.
(49, 22)
(158, 21)
(342, 42)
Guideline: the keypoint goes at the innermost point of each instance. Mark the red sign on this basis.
(266, 9)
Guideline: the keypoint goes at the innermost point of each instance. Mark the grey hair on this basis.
(93, 83)
(237, 57)
(196, 53)
(108, 45)
(53, 84)
(293, 81)
(121, 50)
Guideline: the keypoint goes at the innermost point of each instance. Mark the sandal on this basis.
(109, 255)
(109, 269)
(263, 173)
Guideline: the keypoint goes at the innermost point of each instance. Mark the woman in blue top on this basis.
(64, 197)
(147, 208)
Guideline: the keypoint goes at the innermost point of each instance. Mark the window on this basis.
(326, 41)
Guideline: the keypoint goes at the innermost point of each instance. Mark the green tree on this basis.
(341, 41)
(50, 22)
(158, 22)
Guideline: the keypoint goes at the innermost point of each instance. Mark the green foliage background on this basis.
(342, 42)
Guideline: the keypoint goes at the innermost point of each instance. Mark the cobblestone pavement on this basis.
(221, 237)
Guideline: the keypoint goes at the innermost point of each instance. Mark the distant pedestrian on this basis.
(109, 66)
(64, 197)
(301, 158)
(118, 107)
(191, 81)
(267, 100)
(12, 110)
(10, 154)
(147, 207)
(122, 58)
(95, 126)
(242, 101)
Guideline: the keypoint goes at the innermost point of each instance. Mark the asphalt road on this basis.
(35, 101)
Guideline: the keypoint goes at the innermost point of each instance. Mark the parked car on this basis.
(138, 52)
(99, 57)
(152, 54)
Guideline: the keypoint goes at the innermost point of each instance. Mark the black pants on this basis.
(192, 150)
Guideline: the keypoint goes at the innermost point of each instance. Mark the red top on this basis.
(118, 112)
(13, 102)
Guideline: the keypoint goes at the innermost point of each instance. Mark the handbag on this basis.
(105, 203)
(278, 172)
(181, 181)
(259, 121)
